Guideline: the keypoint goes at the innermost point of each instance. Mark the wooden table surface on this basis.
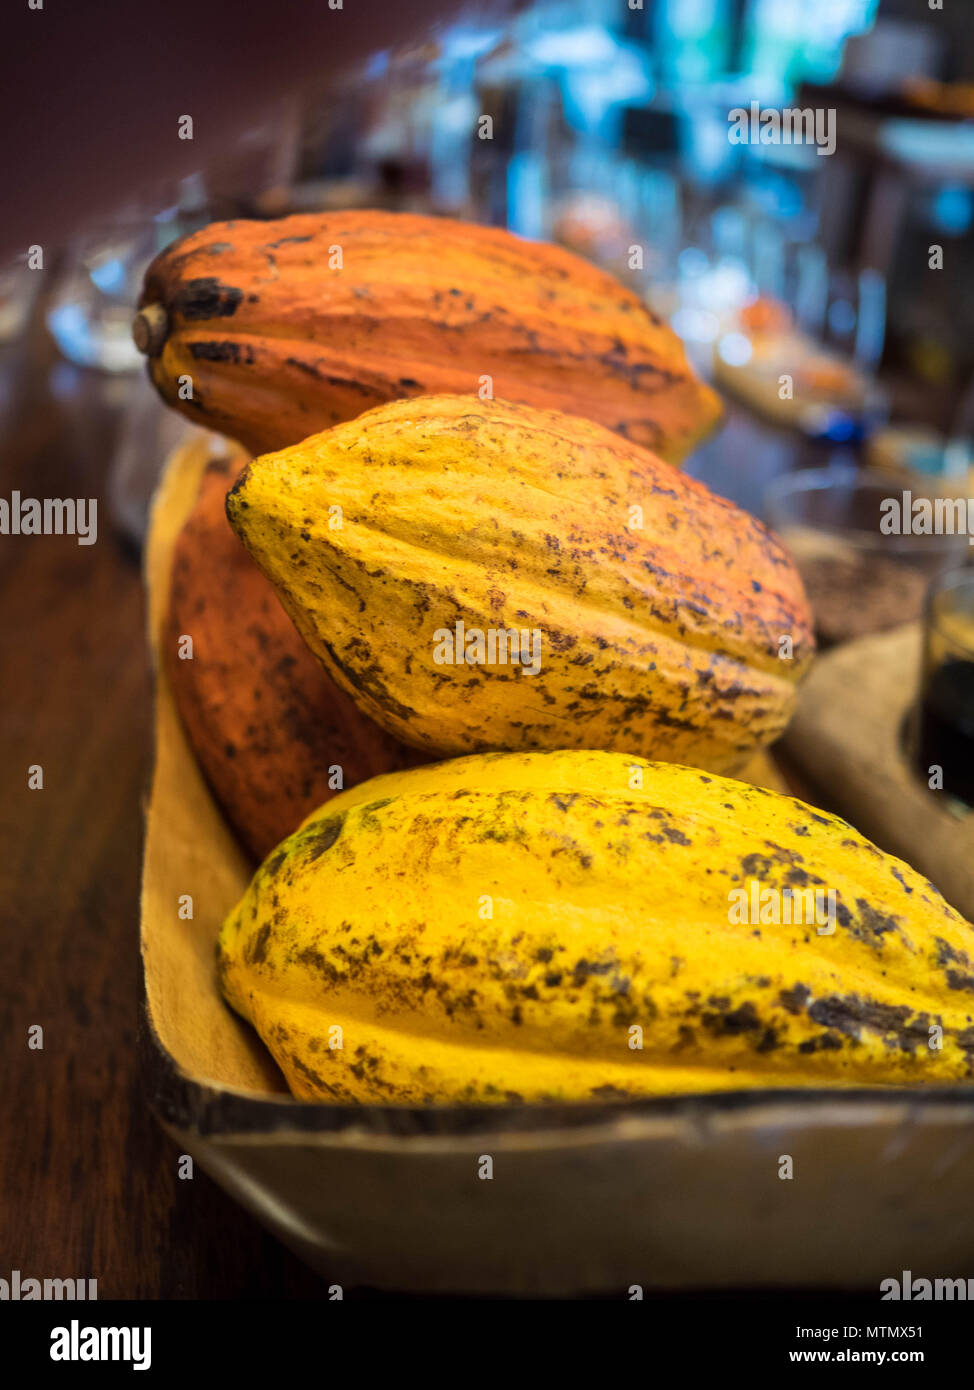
(88, 1180)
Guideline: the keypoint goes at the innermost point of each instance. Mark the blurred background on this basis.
(853, 272)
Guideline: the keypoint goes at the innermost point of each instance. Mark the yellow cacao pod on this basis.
(417, 546)
(284, 328)
(558, 926)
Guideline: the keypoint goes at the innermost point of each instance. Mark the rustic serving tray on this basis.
(666, 1194)
(849, 738)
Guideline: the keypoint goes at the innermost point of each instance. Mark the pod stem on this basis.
(150, 329)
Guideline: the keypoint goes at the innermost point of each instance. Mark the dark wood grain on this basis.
(88, 1181)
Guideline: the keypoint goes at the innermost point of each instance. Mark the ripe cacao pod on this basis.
(267, 724)
(654, 612)
(284, 328)
(561, 926)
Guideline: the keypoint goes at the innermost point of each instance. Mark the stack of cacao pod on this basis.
(471, 540)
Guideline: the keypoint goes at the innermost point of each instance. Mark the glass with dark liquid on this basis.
(945, 716)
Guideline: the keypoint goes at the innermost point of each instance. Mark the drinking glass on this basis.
(944, 745)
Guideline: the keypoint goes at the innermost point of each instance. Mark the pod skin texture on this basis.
(661, 639)
(267, 724)
(280, 341)
(609, 911)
